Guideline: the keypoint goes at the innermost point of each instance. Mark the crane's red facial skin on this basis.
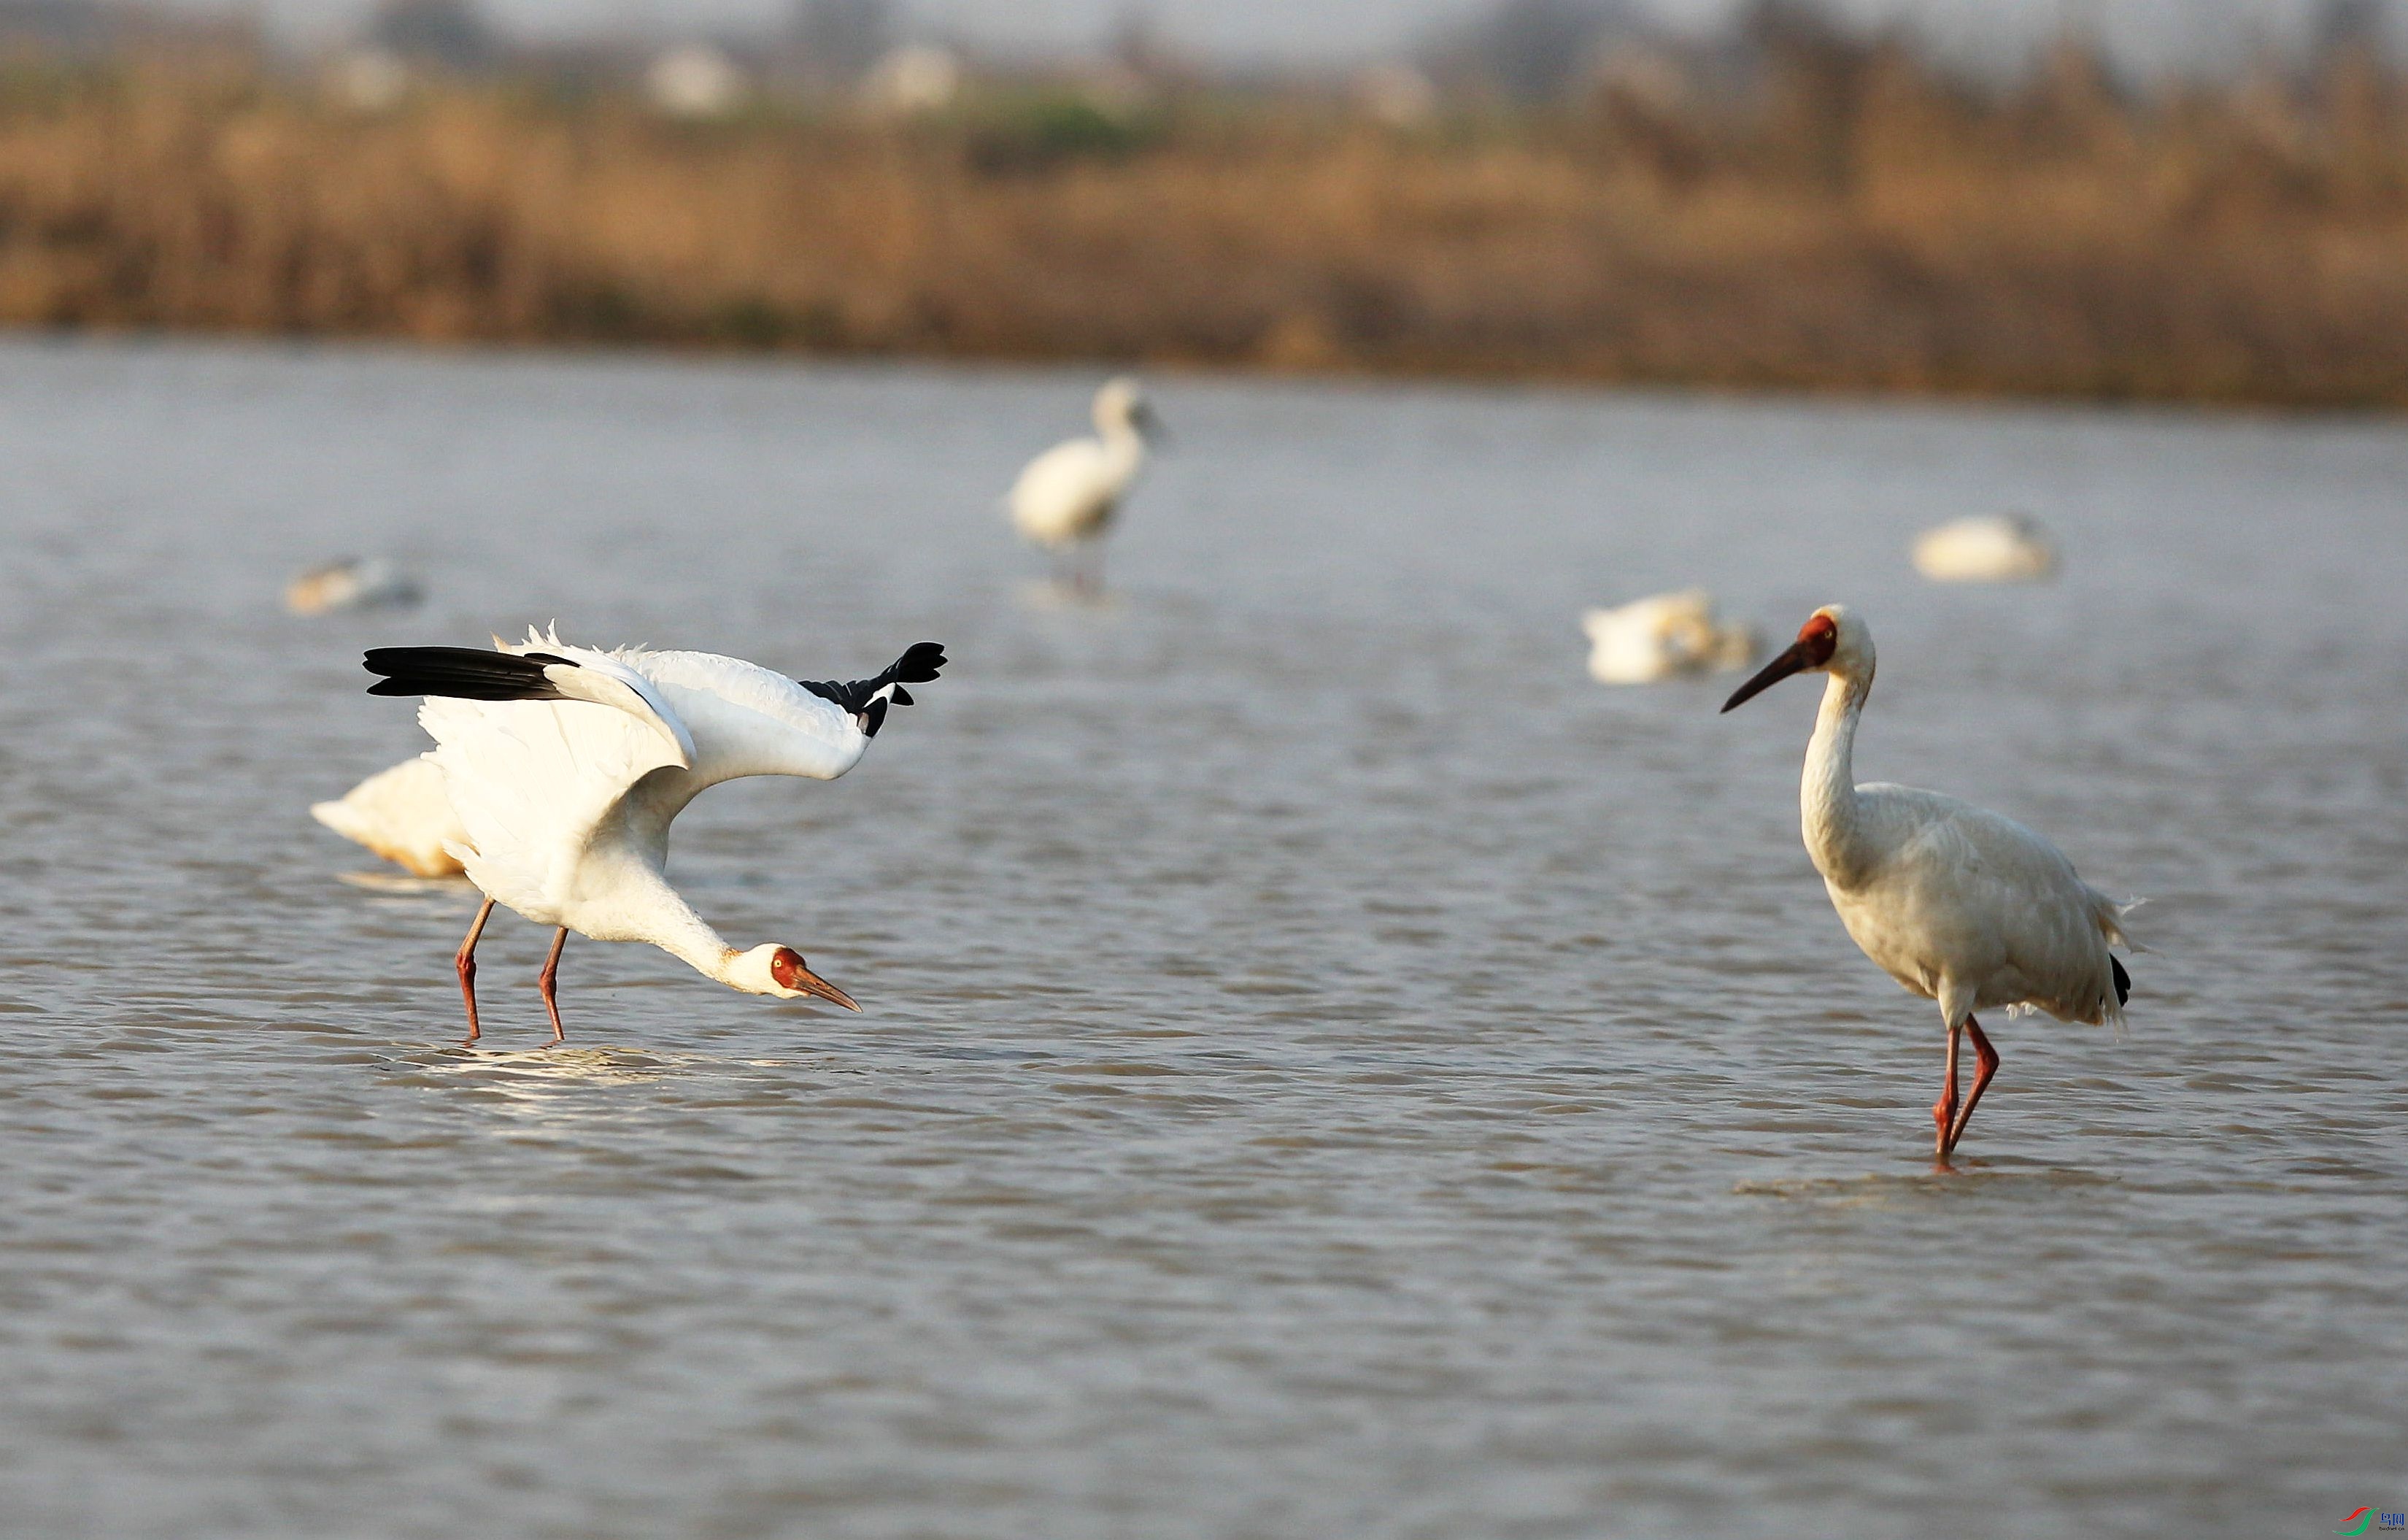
(787, 967)
(1817, 640)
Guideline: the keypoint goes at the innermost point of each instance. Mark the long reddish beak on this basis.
(811, 984)
(1794, 661)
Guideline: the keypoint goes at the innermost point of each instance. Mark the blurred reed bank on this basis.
(1551, 193)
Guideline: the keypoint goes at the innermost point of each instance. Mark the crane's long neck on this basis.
(1829, 813)
(1123, 450)
(696, 945)
(628, 865)
(677, 930)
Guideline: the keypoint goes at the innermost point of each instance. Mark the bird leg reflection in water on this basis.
(1077, 572)
(1950, 1117)
(468, 966)
(550, 974)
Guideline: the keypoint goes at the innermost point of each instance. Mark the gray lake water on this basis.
(1328, 1068)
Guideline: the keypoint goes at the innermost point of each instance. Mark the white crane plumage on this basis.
(1066, 499)
(1956, 904)
(566, 765)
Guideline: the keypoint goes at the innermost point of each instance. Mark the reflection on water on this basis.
(1944, 1183)
(1054, 594)
(403, 882)
(1328, 1069)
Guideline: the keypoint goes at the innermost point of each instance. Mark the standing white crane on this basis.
(1067, 499)
(566, 765)
(1958, 904)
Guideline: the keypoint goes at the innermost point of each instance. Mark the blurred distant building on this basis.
(1138, 46)
(915, 79)
(452, 33)
(1396, 94)
(696, 80)
(835, 42)
(369, 79)
(1650, 76)
(1533, 50)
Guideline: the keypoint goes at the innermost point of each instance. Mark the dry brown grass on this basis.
(1857, 224)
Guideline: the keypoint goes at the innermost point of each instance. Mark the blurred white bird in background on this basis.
(1067, 499)
(566, 766)
(369, 582)
(1958, 904)
(1664, 637)
(403, 815)
(1989, 548)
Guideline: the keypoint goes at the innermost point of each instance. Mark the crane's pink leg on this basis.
(1943, 1111)
(467, 965)
(1988, 1068)
(545, 979)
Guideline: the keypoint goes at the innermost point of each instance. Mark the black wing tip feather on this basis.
(462, 673)
(919, 663)
(2123, 980)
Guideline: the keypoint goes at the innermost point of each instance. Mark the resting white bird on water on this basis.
(351, 584)
(1067, 499)
(1664, 637)
(1997, 548)
(566, 765)
(1958, 904)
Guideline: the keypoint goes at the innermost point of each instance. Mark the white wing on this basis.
(1973, 893)
(532, 781)
(602, 680)
(751, 721)
(537, 782)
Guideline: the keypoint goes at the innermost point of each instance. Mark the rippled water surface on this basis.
(1329, 1069)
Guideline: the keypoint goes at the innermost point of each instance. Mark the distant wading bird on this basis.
(565, 766)
(1958, 904)
(1067, 499)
